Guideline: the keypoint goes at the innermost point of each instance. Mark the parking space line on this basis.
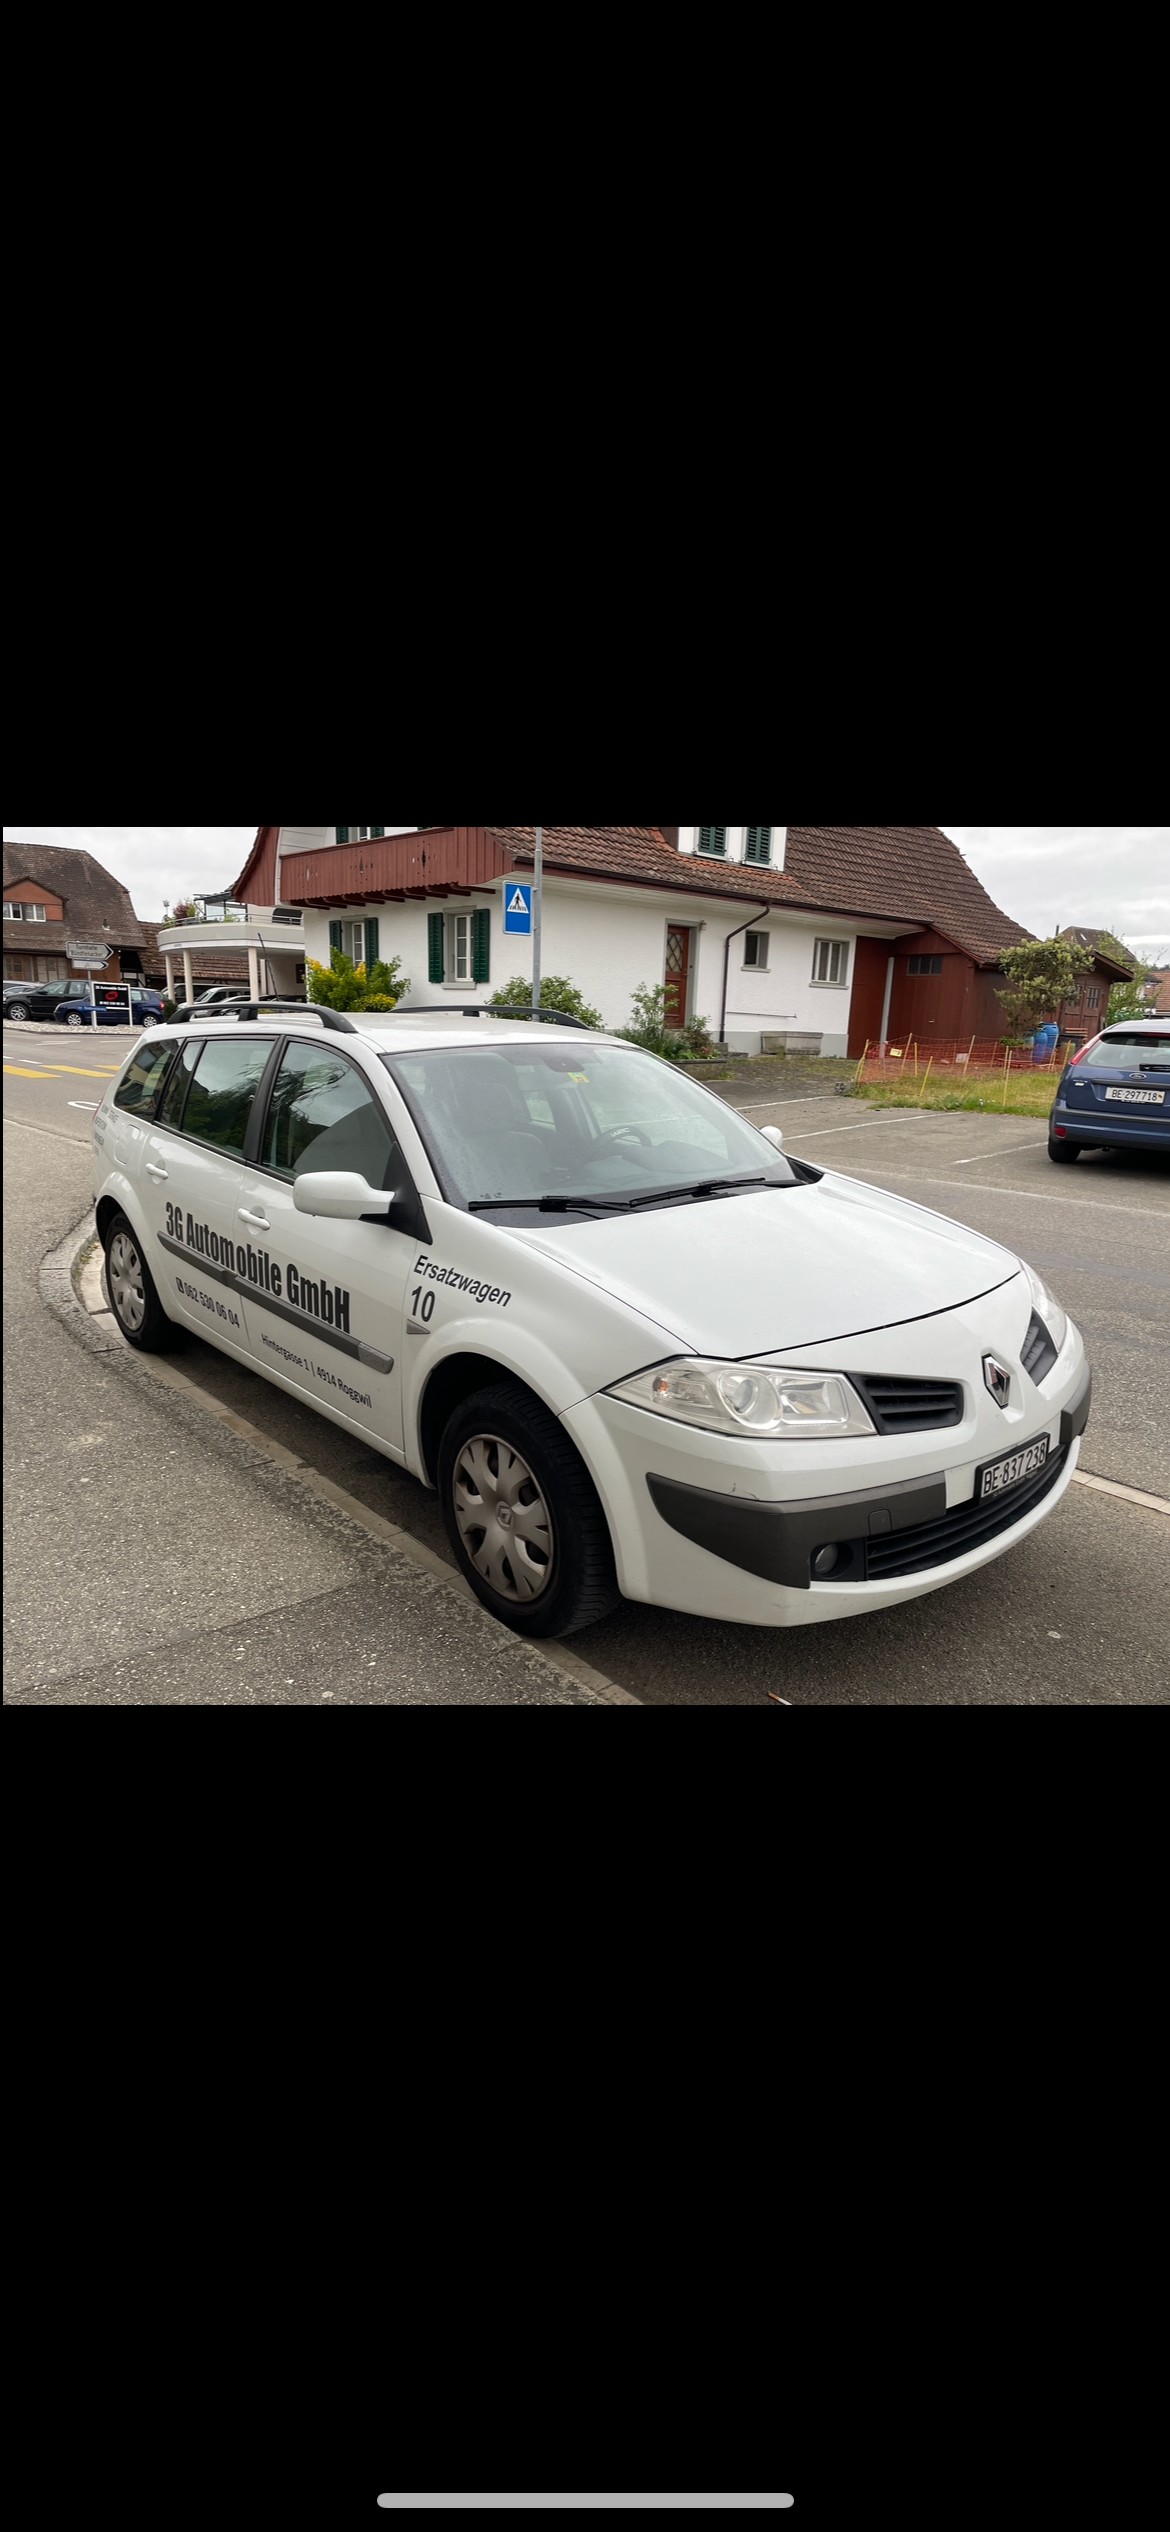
(901, 1116)
(1032, 1145)
(1130, 1494)
(1034, 1195)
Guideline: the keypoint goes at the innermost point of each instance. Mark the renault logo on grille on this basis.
(998, 1380)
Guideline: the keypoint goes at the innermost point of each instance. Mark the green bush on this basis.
(648, 1028)
(556, 994)
(348, 988)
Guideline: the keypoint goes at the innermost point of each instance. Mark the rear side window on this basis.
(140, 1085)
(1128, 1054)
(322, 1115)
(219, 1102)
(171, 1105)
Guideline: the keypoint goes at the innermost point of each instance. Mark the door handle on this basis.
(260, 1220)
(155, 1170)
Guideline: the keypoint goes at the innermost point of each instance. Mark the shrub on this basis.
(556, 994)
(648, 1028)
(348, 988)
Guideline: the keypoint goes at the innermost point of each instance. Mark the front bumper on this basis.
(726, 1529)
(878, 1534)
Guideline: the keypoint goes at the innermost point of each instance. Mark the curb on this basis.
(71, 1281)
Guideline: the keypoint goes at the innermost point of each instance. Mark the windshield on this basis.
(597, 1122)
(1128, 1054)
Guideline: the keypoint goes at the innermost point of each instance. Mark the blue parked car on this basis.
(76, 1010)
(1115, 1090)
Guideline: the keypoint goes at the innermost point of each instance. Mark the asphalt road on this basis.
(1078, 1614)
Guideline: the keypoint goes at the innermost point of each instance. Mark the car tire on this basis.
(133, 1298)
(501, 1448)
(74, 1020)
(17, 1011)
(1063, 1151)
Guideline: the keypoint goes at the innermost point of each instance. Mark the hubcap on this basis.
(504, 1521)
(127, 1292)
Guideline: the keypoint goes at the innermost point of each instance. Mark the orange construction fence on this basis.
(909, 1058)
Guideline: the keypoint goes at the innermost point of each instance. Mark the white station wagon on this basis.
(636, 1348)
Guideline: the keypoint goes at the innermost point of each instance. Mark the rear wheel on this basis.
(133, 1298)
(522, 1515)
(1063, 1151)
(17, 1011)
(75, 1019)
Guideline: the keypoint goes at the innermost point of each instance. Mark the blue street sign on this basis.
(517, 907)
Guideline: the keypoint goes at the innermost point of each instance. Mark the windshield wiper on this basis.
(550, 1204)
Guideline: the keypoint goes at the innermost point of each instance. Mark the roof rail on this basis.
(253, 1010)
(489, 1011)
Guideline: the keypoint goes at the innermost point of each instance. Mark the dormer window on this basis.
(757, 843)
(713, 840)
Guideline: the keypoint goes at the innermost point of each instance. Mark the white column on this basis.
(170, 966)
(253, 975)
(188, 979)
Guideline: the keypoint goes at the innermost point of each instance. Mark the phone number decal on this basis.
(217, 1309)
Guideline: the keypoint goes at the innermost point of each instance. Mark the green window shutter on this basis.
(435, 948)
(712, 839)
(342, 834)
(335, 936)
(371, 940)
(481, 933)
(759, 844)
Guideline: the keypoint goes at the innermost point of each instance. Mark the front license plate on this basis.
(1148, 1098)
(999, 1474)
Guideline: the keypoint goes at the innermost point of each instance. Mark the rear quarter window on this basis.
(144, 1077)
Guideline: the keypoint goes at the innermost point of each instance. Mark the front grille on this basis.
(1039, 1352)
(909, 1406)
(965, 1526)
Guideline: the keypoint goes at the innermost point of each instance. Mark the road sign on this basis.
(88, 953)
(517, 907)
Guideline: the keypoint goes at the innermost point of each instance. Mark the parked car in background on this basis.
(77, 1009)
(1115, 1090)
(31, 1001)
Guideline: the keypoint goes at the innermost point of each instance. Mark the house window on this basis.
(712, 839)
(925, 966)
(356, 834)
(755, 949)
(830, 962)
(1093, 998)
(757, 847)
(24, 914)
(358, 941)
(459, 948)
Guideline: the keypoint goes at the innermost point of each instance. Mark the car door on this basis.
(189, 1175)
(326, 1298)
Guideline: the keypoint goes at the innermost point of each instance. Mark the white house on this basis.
(771, 933)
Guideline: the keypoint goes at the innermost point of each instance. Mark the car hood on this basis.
(790, 1266)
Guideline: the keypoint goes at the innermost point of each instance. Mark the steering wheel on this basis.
(624, 1134)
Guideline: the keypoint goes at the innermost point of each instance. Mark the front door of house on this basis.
(678, 961)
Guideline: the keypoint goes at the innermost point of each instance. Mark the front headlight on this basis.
(1047, 1305)
(748, 1398)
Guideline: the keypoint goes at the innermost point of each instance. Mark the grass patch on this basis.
(1028, 1095)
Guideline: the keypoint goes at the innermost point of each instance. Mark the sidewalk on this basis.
(155, 1557)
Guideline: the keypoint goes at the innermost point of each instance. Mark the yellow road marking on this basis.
(26, 1072)
(92, 1071)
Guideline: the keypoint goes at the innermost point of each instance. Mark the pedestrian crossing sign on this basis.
(517, 908)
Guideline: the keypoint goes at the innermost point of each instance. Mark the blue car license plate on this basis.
(1143, 1098)
(997, 1475)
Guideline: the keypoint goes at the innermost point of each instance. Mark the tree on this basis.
(556, 994)
(1126, 1000)
(1041, 978)
(345, 987)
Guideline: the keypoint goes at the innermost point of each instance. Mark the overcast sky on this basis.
(1117, 877)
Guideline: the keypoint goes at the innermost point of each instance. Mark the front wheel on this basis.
(74, 1020)
(133, 1298)
(1063, 1151)
(17, 1011)
(522, 1515)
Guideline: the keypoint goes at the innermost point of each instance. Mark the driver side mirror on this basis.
(772, 1134)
